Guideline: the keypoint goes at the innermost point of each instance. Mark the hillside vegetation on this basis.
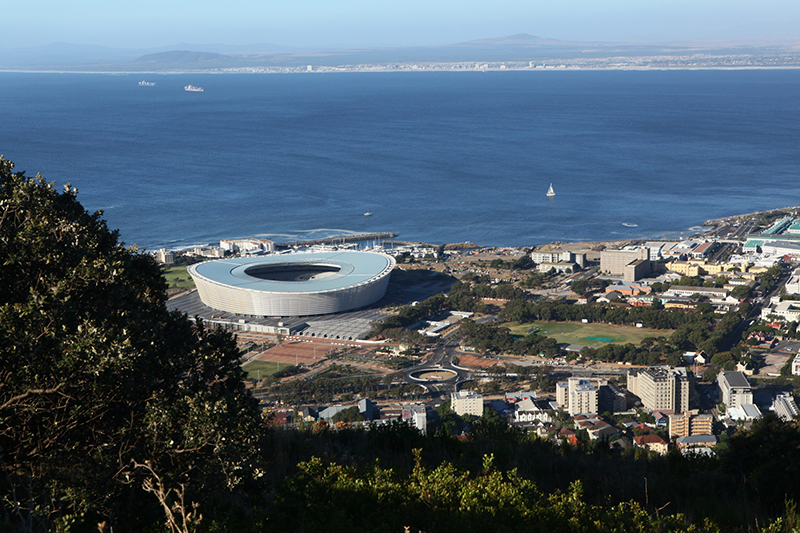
(117, 415)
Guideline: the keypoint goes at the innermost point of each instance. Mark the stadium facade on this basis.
(298, 284)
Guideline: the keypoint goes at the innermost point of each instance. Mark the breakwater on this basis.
(357, 237)
(726, 220)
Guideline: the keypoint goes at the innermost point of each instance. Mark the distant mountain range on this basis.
(513, 48)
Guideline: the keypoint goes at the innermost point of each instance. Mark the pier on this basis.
(337, 240)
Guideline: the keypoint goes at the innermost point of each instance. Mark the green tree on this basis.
(103, 392)
(579, 286)
(741, 292)
(351, 414)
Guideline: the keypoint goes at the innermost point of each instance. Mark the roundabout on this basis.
(433, 375)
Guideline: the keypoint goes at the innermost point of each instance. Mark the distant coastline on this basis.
(514, 52)
(377, 68)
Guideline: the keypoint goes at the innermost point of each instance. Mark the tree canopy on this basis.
(103, 392)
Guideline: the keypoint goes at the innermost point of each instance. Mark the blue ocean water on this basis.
(435, 156)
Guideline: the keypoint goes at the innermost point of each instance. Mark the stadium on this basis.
(299, 284)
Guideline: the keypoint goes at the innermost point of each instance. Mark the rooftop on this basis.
(296, 273)
(735, 379)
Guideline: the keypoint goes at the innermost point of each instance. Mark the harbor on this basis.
(357, 237)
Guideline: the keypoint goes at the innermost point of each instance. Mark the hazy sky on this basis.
(343, 23)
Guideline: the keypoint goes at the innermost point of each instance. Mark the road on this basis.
(758, 304)
(441, 358)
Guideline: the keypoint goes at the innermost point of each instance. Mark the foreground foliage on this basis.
(102, 391)
(116, 415)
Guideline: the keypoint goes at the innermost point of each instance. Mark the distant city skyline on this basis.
(392, 23)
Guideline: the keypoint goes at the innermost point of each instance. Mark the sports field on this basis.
(261, 369)
(591, 334)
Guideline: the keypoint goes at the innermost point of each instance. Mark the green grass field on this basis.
(178, 278)
(263, 369)
(578, 333)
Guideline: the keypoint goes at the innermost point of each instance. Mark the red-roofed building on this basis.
(569, 435)
(651, 442)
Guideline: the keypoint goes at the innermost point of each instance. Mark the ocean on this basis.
(435, 156)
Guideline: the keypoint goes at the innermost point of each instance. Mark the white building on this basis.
(793, 285)
(710, 292)
(247, 245)
(466, 403)
(796, 366)
(164, 256)
(734, 389)
(526, 410)
(416, 415)
(785, 407)
(785, 311)
(209, 251)
(578, 396)
(558, 258)
(746, 412)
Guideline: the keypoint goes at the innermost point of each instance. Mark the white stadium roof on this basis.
(293, 284)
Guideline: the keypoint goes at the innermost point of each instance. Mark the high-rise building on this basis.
(632, 264)
(690, 423)
(661, 388)
(466, 403)
(734, 389)
(578, 396)
(785, 407)
(164, 256)
(598, 395)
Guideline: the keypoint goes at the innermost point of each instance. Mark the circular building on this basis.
(297, 284)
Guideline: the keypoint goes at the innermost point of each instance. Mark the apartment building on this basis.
(578, 396)
(734, 389)
(690, 423)
(661, 388)
(466, 403)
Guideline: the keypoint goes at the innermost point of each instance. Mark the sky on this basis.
(377, 23)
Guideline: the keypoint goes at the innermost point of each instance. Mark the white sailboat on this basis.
(550, 191)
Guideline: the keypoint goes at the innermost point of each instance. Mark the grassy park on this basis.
(588, 334)
(178, 278)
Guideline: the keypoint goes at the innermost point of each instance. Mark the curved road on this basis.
(441, 358)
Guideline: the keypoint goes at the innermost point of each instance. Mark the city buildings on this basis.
(416, 415)
(633, 264)
(651, 442)
(785, 407)
(734, 389)
(589, 396)
(466, 403)
(560, 261)
(690, 423)
(577, 396)
(696, 441)
(247, 246)
(796, 366)
(661, 388)
(164, 256)
(783, 311)
(710, 292)
(793, 285)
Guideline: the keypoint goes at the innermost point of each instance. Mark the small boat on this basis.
(367, 214)
(147, 83)
(550, 191)
(630, 225)
(193, 89)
